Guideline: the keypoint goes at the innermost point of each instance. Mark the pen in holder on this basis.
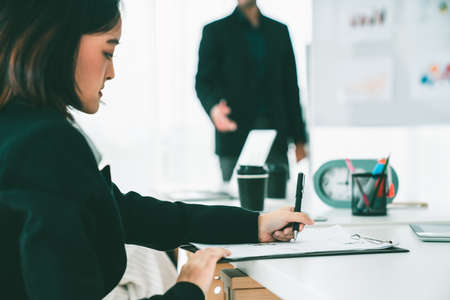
(369, 194)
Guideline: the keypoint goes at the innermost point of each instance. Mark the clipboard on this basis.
(193, 249)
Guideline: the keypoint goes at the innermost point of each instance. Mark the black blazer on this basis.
(63, 224)
(226, 72)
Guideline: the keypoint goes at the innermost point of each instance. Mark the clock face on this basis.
(332, 181)
(336, 182)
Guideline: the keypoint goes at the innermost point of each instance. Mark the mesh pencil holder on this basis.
(368, 194)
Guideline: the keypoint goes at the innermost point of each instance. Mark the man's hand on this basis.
(271, 226)
(200, 267)
(219, 115)
(300, 151)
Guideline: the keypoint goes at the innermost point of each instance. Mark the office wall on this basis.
(384, 62)
(370, 74)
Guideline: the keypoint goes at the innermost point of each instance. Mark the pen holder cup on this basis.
(368, 194)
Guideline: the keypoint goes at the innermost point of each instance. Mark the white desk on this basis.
(423, 273)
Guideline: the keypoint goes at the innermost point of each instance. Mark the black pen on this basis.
(298, 200)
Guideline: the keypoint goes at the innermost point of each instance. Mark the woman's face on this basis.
(95, 65)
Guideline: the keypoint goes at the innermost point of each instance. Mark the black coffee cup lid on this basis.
(251, 170)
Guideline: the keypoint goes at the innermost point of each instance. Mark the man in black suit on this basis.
(246, 80)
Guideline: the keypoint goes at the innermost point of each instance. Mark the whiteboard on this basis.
(380, 62)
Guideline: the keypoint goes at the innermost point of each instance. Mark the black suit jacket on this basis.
(63, 224)
(225, 71)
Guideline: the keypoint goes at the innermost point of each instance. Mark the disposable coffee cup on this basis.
(252, 181)
(276, 184)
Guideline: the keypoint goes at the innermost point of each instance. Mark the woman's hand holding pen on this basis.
(273, 226)
(200, 267)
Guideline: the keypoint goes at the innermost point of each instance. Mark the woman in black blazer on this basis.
(63, 223)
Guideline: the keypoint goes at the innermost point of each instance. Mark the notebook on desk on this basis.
(312, 242)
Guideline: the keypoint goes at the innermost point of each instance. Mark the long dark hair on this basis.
(39, 42)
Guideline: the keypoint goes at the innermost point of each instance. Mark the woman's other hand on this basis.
(200, 267)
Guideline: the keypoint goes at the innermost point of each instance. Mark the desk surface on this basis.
(423, 273)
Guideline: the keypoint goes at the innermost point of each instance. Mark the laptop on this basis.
(432, 232)
(254, 153)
